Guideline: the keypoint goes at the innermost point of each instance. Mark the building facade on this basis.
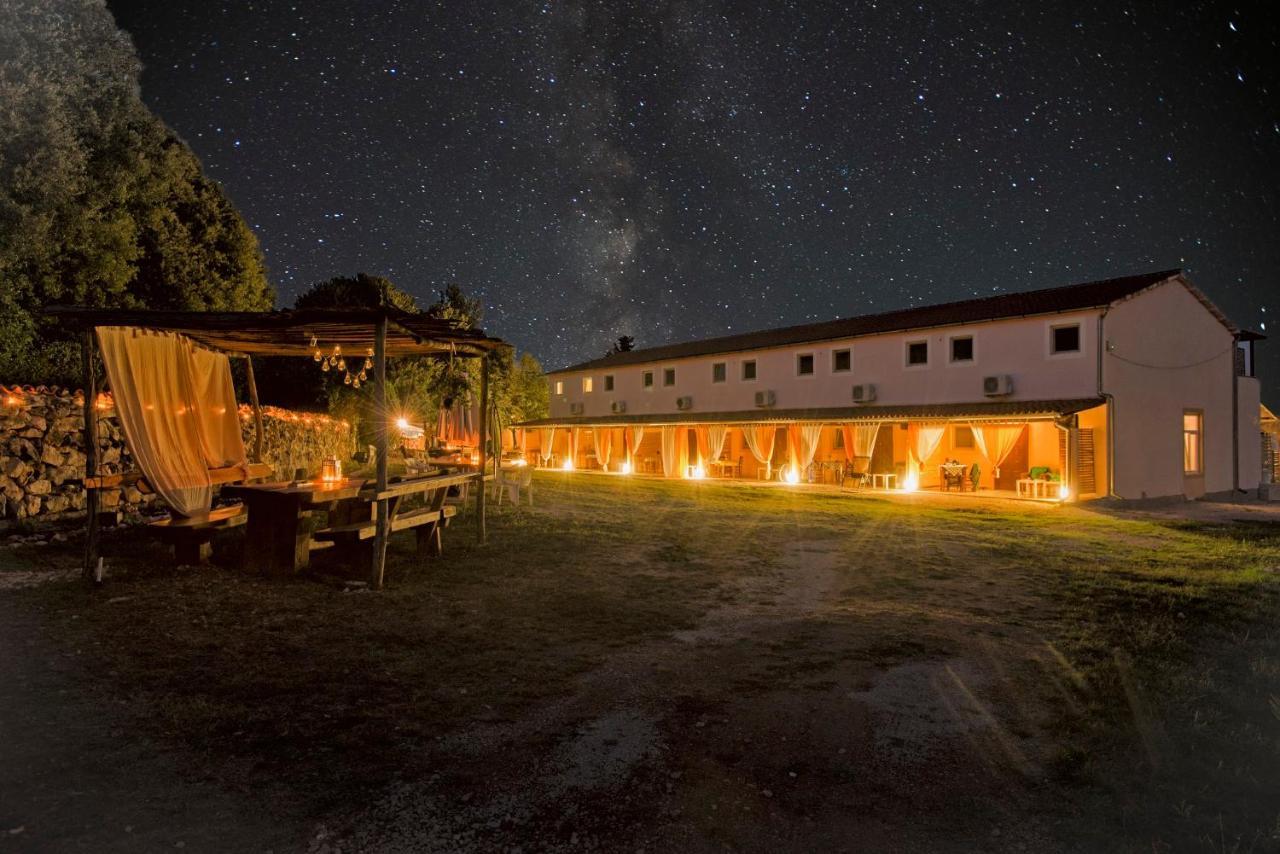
(1137, 387)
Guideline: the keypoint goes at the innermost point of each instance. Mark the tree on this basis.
(624, 344)
(100, 203)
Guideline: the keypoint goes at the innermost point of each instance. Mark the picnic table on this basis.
(275, 535)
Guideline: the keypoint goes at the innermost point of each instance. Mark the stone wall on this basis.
(42, 449)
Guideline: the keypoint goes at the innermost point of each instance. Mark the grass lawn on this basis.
(640, 664)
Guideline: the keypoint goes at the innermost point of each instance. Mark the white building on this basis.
(1135, 387)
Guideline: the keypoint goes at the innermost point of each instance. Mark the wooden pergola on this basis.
(388, 331)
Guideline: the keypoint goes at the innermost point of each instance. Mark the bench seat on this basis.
(368, 530)
(191, 536)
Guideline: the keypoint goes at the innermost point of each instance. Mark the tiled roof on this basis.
(985, 409)
(1048, 301)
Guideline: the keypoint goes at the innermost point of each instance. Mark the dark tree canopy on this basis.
(100, 203)
(624, 344)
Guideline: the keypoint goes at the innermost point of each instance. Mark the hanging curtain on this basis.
(456, 426)
(575, 437)
(716, 435)
(603, 438)
(996, 442)
(546, 443)
(927, 439)
(704, 447)
(178, 410)
(802, 444)
(760, 439)
(632, 436)
(675, 451)
(860, 440)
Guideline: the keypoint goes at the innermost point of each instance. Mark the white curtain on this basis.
(928, 437)
(760, 439)
(864, 439)
(603, 438)
(804, 444)
(546, 443)
(995, 443)
(178, 410)
(674, 450)
(633, 436)
(716, 434)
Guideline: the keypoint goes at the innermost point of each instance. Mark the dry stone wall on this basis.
(42, 450)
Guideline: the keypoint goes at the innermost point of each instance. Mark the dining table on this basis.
(277, 533)
(953, 473)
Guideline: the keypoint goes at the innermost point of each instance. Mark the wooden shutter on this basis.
(1086, 478)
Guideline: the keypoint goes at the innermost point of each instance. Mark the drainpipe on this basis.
(1111, 407)
(1235, 415)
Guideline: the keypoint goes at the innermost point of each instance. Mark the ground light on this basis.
(698, 472)
(568, 465)
(1064, 492)
(911, 483)
(625, 468)
(791, 475)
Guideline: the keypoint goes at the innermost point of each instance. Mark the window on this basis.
(917, 353)
(608, 382)
(719, 372)
(963, 437)
(559, 386)
(962, 349)
(648, 379)
(1064, 339)
(668, 376)
(587, 385)
(1192, 442)
(749, 370)
(804, 365)
(838, 442)
(841, 361)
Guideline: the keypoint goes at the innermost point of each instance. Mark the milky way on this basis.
(677, 169)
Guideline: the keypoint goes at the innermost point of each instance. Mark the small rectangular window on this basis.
(837, 441)
(917, 352)
(1192, 442)
(962, 349)
(841, 361)
(608, 382)
(804, 365)
(719, 372)
(1066, 339)
(749, 369)
(559, 386)
(668, 376)
(648, 379)
(963, 437)
(588, 384)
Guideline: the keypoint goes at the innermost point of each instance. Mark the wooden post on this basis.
(382, 508)
(257, 410)
(484, 438)
(92, 497)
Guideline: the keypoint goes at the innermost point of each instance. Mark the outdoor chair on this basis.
(975, 476)
(513, 483)
(858, 472)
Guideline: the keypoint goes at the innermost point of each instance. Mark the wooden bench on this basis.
(428, 520)
(191, 536)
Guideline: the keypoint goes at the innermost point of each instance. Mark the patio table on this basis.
(276, 537)
(883, 480)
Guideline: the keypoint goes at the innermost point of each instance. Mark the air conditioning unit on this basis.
(575, 409)
(766, 398)
(997, 386)
(618, 407)
(864, 393)
(685, 402)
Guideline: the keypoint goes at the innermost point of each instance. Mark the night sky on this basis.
(673, 170)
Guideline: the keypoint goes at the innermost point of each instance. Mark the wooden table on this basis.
(727, 468)
(883, 480)
(952, 472)
(276, 537)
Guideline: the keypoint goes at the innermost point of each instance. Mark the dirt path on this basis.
(730, 736)
(74, 777)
